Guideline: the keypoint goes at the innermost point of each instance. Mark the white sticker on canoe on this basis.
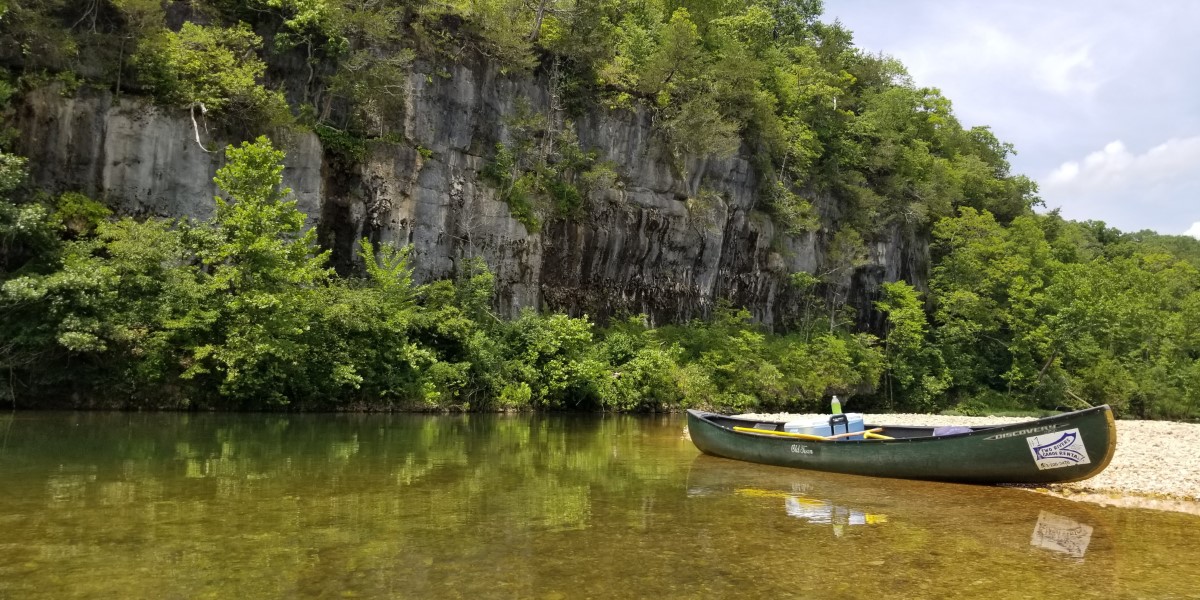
(1058, 449)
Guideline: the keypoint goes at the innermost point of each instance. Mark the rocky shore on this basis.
(1157, 463)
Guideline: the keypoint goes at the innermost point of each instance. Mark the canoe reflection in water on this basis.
(819, 512)
(896, 512)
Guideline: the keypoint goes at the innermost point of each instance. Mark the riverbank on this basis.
(1157, 463)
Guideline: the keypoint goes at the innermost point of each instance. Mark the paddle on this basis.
(805, 436)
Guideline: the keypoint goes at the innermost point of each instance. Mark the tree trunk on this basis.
(537, 21)
(1046, 366)
(196, 126)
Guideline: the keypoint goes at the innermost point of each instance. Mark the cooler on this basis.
(822, 426)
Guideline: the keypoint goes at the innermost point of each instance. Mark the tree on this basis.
(1123, 335)
(269, 268)
(915, 368)
(847, 252)
(143, 18)
(993, 306)
(503, 29)
(360, 45)
(31, 30)
(26, 228)
(677, 59)
(210, 69)
(261, 240)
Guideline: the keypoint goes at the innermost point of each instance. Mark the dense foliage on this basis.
(1052, 312)
(1022, 311)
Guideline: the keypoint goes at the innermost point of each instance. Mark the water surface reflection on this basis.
(839, 502)
(1061, 534)
(488, 506)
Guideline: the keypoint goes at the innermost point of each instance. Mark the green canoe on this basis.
(1067, 447)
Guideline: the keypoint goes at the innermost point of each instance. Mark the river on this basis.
(167, 505)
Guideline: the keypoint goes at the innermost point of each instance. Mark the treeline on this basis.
(1046, 311)
(241, 312)
(1023, 311)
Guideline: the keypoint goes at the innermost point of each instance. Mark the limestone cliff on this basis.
(636, 247)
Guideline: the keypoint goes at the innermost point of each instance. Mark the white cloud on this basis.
(1131, 190)
(1115, 165)
(1067, 71)
(973, 49)
(1194, 231)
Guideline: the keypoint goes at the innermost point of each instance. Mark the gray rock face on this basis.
(138, 158)
(639, 247)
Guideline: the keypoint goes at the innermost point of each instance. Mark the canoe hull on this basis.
(1067, 447)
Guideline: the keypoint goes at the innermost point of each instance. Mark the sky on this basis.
(1101, 98)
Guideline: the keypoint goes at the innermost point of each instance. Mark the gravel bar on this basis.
(1157, 463)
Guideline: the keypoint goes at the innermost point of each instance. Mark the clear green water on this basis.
(107, 505)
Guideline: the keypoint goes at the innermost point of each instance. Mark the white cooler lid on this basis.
(820, 420)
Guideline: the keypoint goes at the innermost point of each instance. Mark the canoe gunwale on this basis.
(975, 431)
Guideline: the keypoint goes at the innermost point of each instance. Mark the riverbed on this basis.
(135, 505)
